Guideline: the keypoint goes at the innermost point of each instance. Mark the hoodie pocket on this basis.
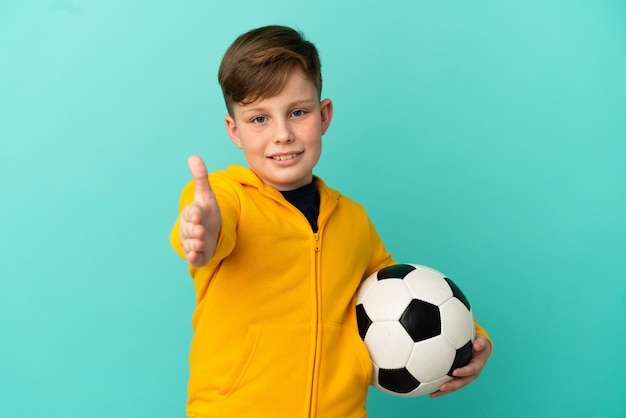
(274, 366)
(239, 368)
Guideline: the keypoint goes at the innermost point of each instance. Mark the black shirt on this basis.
(307, 200)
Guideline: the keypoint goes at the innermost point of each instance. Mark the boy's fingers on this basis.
(479, 344)
(482, 344)
(199, 173)
(192, 214)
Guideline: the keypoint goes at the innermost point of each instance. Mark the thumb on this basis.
(198, 170)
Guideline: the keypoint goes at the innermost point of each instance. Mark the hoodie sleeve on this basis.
(380, 257)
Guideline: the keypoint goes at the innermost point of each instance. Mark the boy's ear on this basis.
(326, 110)
(231, 129)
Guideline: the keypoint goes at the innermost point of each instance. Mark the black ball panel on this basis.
(363, 320)
(397, 380)
(397, 271)
(421, 320)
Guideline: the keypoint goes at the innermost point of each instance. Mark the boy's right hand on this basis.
(200, 221)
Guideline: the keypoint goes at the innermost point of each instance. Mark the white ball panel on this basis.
(431, 359)
(386, 300)
(457, 324)
(389, 344)
(428, 285)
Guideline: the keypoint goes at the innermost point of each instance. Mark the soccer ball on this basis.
(417, 326)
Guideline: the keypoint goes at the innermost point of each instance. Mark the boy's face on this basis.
(281, 136)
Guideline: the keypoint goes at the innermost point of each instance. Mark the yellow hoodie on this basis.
(275, 331)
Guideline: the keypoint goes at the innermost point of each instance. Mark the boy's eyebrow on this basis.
(303, 102)
(260, 108)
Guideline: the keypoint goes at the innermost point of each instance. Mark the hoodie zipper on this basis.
(316, 332)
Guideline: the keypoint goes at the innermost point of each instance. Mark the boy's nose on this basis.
(283, 133)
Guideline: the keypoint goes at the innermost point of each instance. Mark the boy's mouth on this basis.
(283, 157)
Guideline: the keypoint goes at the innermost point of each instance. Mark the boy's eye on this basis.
(258, 119)
(298, 112)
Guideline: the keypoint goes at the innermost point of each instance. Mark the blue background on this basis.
(487, 139)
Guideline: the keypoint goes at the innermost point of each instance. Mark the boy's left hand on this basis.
(465, 375)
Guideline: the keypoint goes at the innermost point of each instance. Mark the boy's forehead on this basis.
(298, 89)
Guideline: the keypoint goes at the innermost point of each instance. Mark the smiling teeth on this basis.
(284, 157)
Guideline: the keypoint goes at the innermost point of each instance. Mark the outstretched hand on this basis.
(200, 221)
(463, 376)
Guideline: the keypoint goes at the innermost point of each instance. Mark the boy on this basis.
(276, 255)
